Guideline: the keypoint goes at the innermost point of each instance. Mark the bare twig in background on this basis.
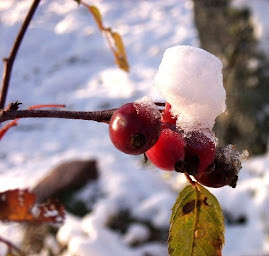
(8, 62)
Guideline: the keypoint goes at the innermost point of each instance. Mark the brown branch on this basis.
(99, 116)
(8, 62)
(12, 247)
(11, 113)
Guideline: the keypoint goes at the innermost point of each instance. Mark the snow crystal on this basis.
(155, 208)
(136, 233)
(147, 106)
(190, 79)
(70, 228)
(107, 243)
(52, 244)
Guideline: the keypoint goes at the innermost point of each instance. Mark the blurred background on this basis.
(116, 204)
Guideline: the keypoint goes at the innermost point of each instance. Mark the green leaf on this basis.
(197, 224)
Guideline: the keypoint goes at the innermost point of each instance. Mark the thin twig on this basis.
(8, 62)
(12, 246)
(99, 116)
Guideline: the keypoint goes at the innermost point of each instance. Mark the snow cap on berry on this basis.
(190, 79)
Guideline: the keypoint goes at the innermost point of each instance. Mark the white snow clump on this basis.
(190, 79)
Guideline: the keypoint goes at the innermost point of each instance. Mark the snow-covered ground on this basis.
(65, 59)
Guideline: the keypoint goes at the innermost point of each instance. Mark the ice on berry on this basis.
(147, 105)
(230, 157)
(191, 80)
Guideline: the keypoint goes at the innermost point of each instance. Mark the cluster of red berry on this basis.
(135, 129)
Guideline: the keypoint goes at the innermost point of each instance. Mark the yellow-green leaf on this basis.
(120, 54)
(113, 38)
(197, 224)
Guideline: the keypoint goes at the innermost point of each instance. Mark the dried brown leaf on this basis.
(18, 205)
(120, 54)
(113, 38)
(96, 15)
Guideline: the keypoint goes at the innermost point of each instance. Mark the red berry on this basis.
(167, 116)
(168, 153)
(200, 152)
(134, 128)
(224, 170)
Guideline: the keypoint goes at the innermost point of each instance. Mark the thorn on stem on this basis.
(145, 158)
(5, 59)
(13, 106)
